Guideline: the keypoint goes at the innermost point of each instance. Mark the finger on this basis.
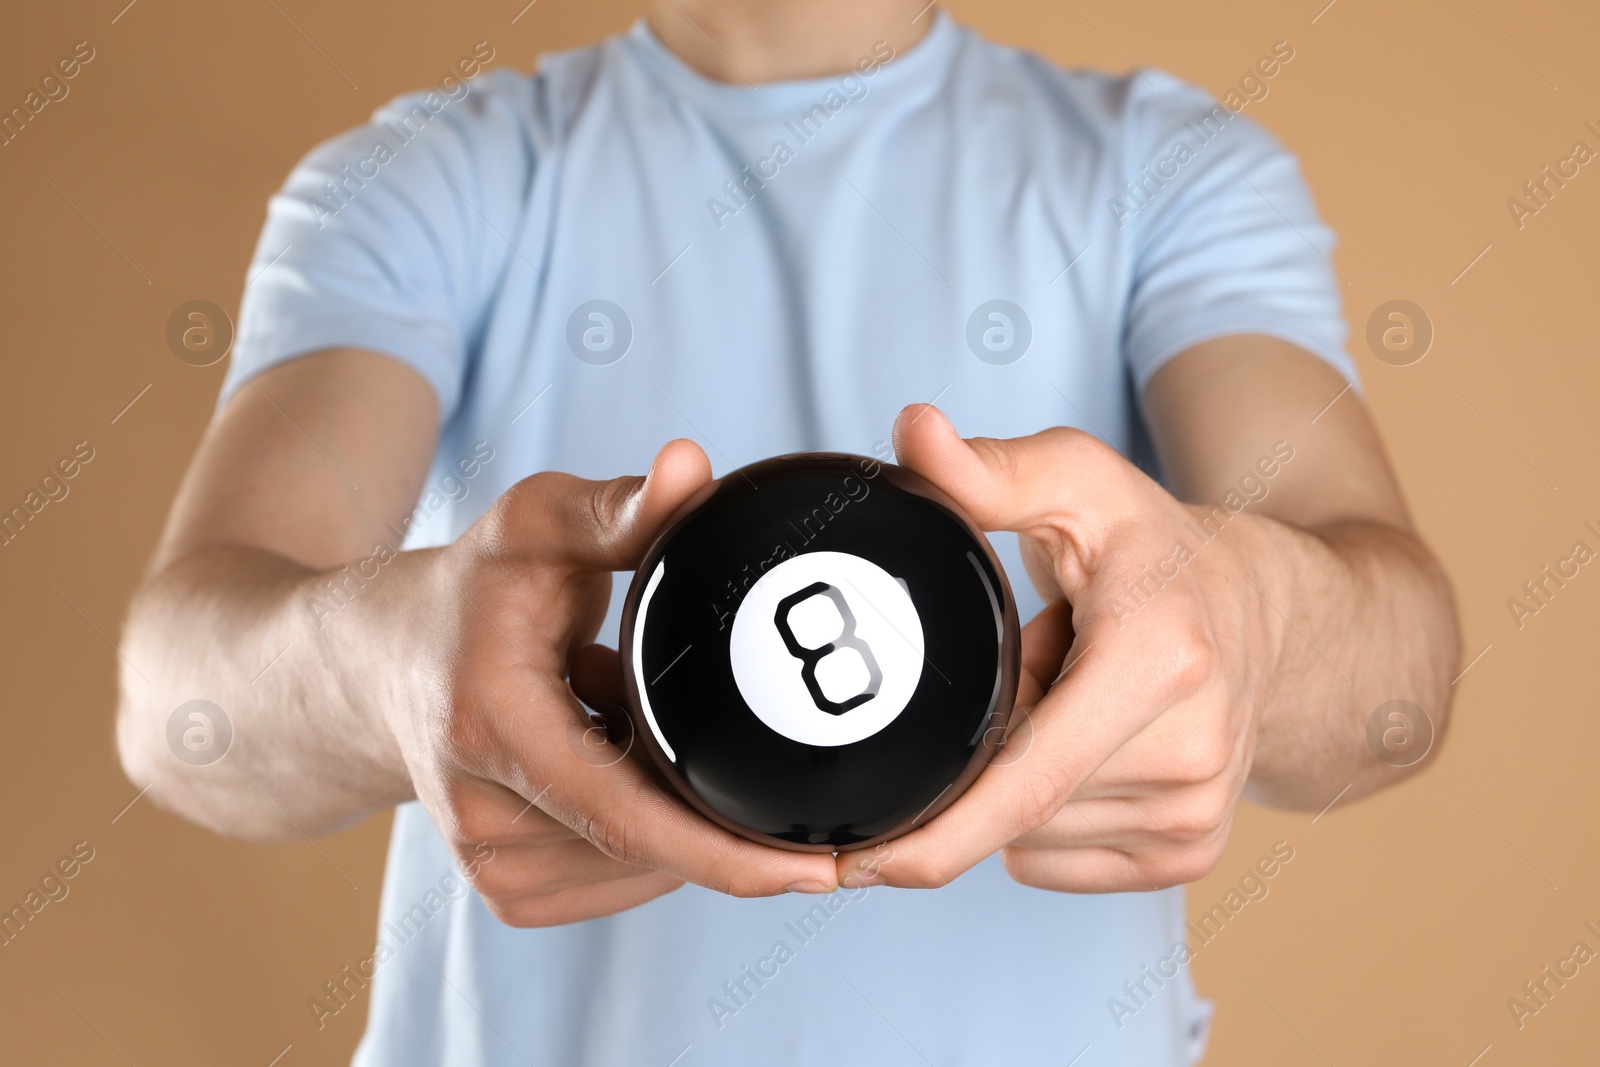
(543, 752)
(1019, 484)
(621, 809)
(604, 525)
(1046, 640)
(597, 677)
(582, 902)
(1192, 744)
(520, 870)
(1101, 870)
(1179, 816)
(1106, 868)
(480, 812)
(1110, 691)
(597, 680)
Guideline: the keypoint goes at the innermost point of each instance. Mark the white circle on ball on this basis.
(771, 677)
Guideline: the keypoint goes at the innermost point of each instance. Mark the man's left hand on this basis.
(1138, 707)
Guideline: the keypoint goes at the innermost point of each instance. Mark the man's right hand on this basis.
(445, 677)
(500, 750)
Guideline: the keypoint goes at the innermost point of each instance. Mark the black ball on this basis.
(820, 651)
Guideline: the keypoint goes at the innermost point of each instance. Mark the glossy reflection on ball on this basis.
(820, 651)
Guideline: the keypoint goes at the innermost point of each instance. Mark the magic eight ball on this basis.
(820, 651)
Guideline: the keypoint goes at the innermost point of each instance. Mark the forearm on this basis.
(305, 677)
(1367, 616)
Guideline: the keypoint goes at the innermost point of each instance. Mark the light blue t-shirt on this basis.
(590, 261)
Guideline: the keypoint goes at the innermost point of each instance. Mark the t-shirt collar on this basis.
(928, 57)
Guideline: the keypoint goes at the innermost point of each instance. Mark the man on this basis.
(770, 227)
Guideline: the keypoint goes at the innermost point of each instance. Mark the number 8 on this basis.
(810, 657)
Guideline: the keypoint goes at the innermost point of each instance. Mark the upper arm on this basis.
(309, 460)
(1234, 333)
(373, 245)
(1219, 410)
(393, 247)
(1230, 244)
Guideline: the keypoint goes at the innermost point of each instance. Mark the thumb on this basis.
(1017, 484)
(606, 525)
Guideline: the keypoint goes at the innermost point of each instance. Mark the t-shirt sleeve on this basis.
(389, 237)
(1226, 237)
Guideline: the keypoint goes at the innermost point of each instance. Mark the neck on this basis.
(755, 41)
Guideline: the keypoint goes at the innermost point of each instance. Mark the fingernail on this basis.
(808, 887)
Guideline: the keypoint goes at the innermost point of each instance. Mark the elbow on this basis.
(1407, 735)
(135, 743)
(184, 749)
(1445, 663)
(175, 757)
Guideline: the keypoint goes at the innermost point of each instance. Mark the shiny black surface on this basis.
(730, 763)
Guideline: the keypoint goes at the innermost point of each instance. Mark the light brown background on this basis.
(1404, 922)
